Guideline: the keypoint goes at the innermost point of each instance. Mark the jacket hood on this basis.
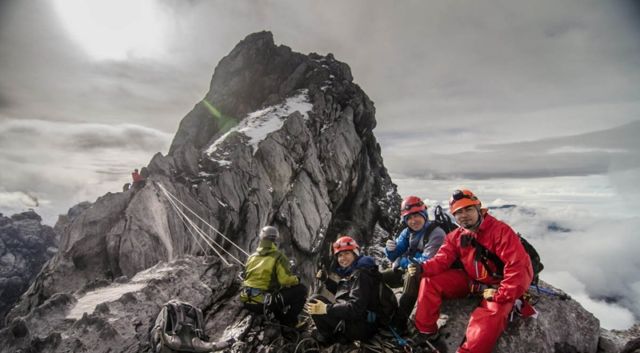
(266, 247)
(365, 262)
(361, 263)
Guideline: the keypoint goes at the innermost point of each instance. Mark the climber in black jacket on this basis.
(349, 317)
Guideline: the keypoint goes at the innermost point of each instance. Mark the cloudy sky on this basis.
(512, 98)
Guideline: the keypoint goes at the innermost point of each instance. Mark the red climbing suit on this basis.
(136, 176)
(439, 281)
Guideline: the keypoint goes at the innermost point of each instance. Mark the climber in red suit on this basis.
(500, 292)
(136, 176)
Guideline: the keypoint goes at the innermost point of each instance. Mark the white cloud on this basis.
(66, 163)
(611, 316)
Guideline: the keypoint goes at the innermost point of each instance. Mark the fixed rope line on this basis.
(210, 226)
(200, 218)
(197, 229)
(193, 235)
(206, 237)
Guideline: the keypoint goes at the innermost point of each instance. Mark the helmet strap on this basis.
(477, 225)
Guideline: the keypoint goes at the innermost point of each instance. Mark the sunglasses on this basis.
(342, 244)
(459, 195)
(408, 207)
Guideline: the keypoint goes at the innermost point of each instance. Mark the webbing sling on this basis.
(483, 255)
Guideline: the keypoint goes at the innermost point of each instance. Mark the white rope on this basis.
(200, 231)
(200, 218)
(206, 237)
(193, 235)
(181, 213)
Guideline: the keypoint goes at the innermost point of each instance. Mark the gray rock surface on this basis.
(25, 245)
(561, 326)
(281, 138)
(623, 341)
(119, 316)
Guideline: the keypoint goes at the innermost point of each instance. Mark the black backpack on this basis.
(484, 255)
(443, 221)
(388, 305)
(179, 328)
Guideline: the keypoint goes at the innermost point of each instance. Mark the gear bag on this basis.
(387, 304)
(179, 328)
(443, 220)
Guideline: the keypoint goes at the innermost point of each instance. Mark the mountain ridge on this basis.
(319, 174)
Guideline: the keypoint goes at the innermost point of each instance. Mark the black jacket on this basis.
(356, 293)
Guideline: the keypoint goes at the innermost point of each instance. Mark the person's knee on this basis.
(300, 290)
(320, 298)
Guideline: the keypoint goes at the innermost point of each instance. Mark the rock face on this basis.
(85, 323)
(562, 326)
(25, 245)
(281, 138)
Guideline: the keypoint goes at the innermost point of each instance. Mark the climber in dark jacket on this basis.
(349, 316)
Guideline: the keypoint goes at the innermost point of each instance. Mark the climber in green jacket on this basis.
(269, 286)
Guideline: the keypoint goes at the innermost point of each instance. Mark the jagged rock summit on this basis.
(25, 245)
(281, 138)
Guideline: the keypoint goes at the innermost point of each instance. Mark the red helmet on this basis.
(461, 199)
(412, 204)
(345, 243)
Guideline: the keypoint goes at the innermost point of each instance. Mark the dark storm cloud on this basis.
(15, 134)
(598, 152)
(621, 138)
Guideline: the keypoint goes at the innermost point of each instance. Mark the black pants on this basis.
(410, 287)
(333, 330)
(285, 305)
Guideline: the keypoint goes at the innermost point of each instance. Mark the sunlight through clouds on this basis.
(115, 29)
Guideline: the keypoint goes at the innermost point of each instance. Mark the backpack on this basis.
(388, 305)
(483, 254)
(179, 328)
(443, 221)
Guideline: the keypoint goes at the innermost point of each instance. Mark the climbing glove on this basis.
(414, 269)
(321, 275)
(316, 307)
(391, 245)
(488, 294)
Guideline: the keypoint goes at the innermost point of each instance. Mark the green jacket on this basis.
(266, 270)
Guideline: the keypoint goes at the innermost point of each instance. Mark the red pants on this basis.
(487, 321)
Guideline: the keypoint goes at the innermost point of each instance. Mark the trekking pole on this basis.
(432, 347)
